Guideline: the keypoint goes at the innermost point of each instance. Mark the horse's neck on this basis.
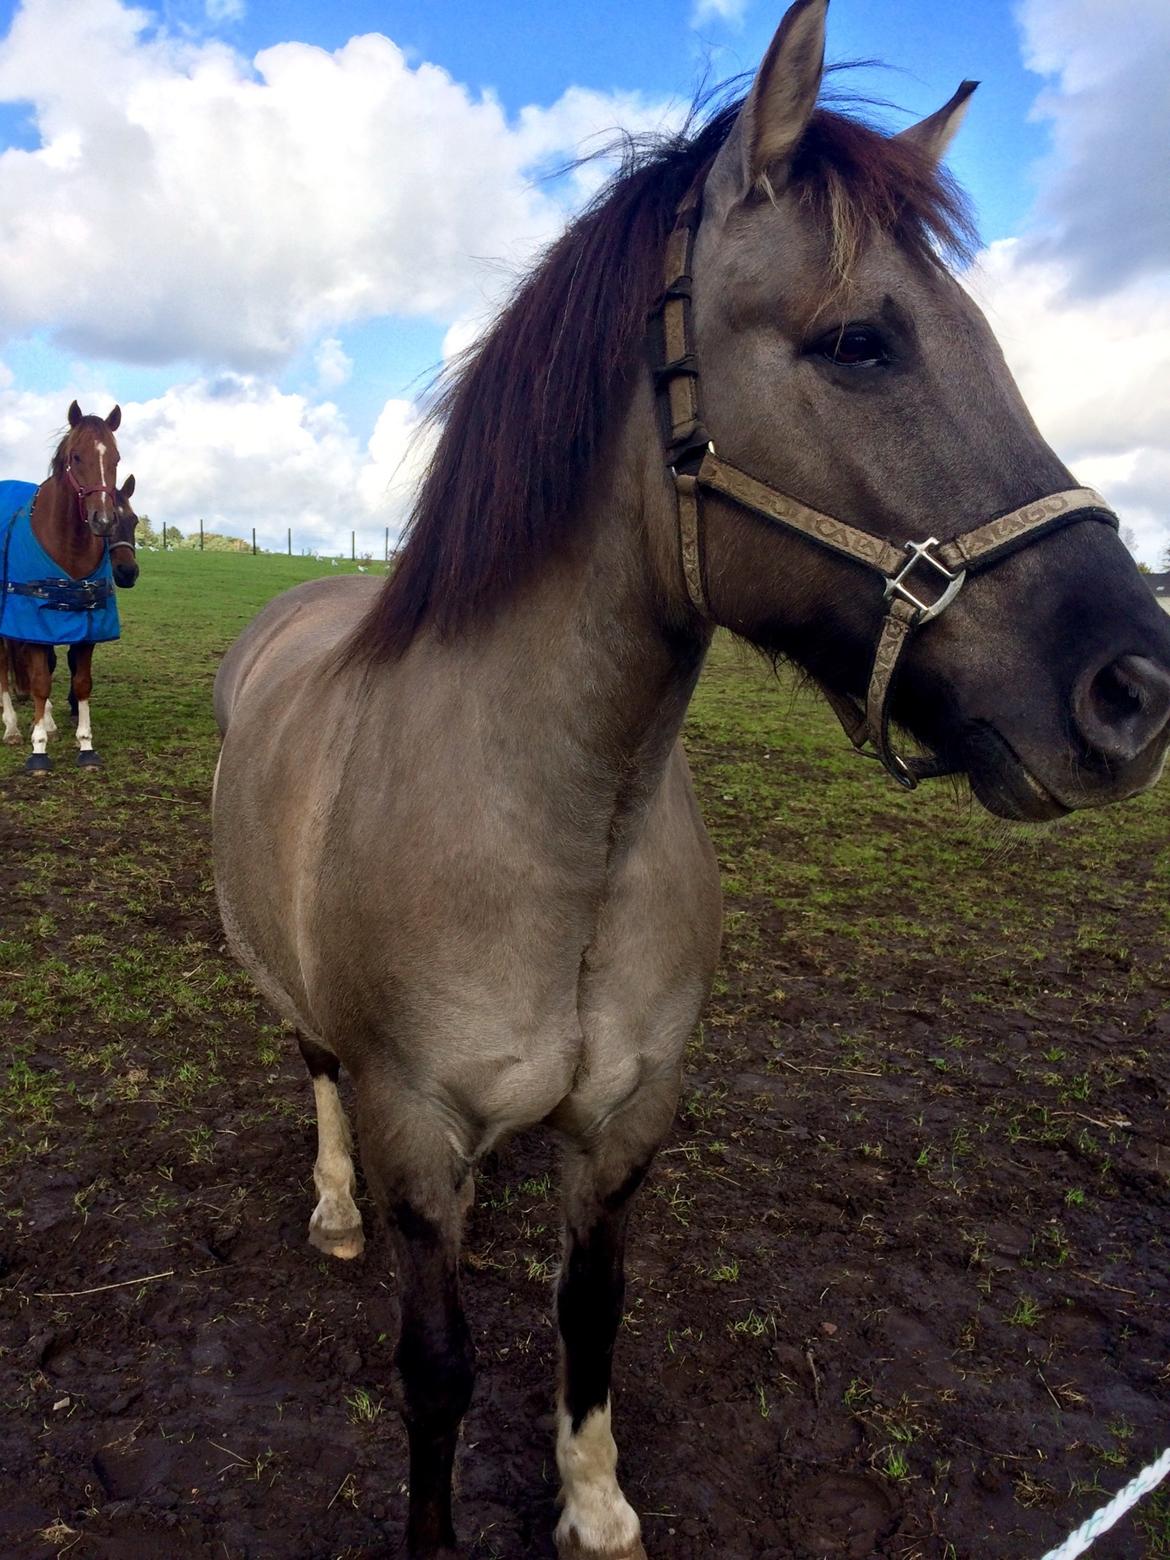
(59, 528)
(588, 652)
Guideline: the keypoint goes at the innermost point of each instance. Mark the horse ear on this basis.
(936, 132)
(779, 105)
(74, 414)
(128, 486)
(114, 418)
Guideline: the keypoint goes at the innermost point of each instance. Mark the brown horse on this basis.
(123, 550)
(456, 840)
(83, 528)
(124, 562)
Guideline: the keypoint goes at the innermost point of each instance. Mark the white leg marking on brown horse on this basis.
(40, 736)
(11, 723)
(336, 1225)
(50, 723)
(84, 733)
(597, 1518)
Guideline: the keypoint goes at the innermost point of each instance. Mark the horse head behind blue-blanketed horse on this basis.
(63, 547)
(456, 840)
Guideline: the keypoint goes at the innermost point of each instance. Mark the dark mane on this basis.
(525, 412)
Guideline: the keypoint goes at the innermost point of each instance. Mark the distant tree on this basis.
(1129, 538)
(214, 541)
(146, 535)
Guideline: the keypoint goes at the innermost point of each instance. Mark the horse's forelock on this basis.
(91, 423)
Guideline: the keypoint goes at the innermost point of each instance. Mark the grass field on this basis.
(904, 1262)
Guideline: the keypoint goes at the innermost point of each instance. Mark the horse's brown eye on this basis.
(856, 346)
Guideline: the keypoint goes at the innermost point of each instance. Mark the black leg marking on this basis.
(318, 1060)
(72, 658)
(589, 1309)
(437, 1359)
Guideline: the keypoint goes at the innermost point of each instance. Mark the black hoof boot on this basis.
(88, 760)
(38, 764)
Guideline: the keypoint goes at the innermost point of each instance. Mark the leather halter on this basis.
(942, 567)
(84, 492)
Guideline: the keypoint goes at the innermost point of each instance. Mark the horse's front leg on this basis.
(7, 683)
(602, 1174)
(40, 686)
(81, 686)
(423, 1191)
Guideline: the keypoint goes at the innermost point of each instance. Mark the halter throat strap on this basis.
(921, 578)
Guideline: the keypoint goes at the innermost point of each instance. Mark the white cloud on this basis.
(1095, 372)
(396, 459)
(238, 452)
(465, 332)
(1081, 301)
(718, 11)
(333, 363)
(224, 10)
(1103, 202)
(189, 204)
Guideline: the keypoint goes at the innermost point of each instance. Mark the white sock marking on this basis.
(40, 737)
(11, 723)
(84, 734)
(333, 1174)
(50, 723)
(596, 1513)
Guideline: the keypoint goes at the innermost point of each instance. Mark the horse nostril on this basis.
(1122, 706)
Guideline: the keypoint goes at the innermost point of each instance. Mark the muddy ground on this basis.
(898, 1286)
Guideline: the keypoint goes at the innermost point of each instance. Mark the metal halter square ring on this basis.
(920, 553)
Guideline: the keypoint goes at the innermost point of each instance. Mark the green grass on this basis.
(105, 862)
(956, 1008)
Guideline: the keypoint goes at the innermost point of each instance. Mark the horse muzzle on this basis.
(99, 519)
(1118, 738)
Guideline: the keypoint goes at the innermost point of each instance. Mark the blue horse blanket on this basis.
(39, 602)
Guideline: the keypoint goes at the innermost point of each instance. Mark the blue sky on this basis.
(527, 51)
(370, 190)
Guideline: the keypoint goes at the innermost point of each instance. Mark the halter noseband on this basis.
(84, 492)
(694, 466)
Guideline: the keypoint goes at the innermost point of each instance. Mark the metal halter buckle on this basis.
(920, 553)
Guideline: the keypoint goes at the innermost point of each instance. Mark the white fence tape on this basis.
(1101, 1521)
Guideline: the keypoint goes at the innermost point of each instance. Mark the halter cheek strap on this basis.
(84, 492)
(921, 578)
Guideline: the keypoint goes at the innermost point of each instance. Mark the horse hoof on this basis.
(12, 738)
(37, 764)
(571, 1548)
(89, 760)
(343, 1244)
